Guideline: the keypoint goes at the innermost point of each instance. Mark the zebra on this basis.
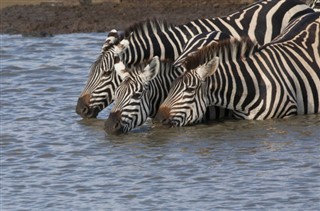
(103, 80)
(144, 87)
(277, 80)
(167, 41)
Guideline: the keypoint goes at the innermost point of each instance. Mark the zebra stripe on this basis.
(152, 38)
(277, 80)
(271, 15)
(129, 112)
(99, 90)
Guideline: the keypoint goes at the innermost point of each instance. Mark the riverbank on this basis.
(47, 19)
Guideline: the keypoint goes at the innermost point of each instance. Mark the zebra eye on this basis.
(136, 96)
(190, 89)
(107, 73)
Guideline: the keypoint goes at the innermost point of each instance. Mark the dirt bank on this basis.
(46, 19)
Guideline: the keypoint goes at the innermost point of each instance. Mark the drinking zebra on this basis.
(261, 21)
(277, 80)
(144, 87)
(103, 80)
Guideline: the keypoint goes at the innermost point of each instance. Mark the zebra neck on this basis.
(159, 87)
(233, 85)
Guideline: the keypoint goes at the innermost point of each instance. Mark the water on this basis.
(51, 159)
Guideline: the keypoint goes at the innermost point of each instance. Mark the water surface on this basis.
(51, 159)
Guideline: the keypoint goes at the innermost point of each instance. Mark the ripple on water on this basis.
(52, 159)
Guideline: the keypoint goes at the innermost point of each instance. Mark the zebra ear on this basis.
(208, 68)
(151, 70)
(123, 45)
(121, 70)
(111, 39)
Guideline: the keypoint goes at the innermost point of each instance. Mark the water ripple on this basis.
(51, 159)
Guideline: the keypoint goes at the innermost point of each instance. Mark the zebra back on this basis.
(199, 41)
(261, 21)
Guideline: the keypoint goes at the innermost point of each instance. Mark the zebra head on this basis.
(187, 100)
(100, 87)
(131, 108)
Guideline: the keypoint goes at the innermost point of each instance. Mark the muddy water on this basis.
(51, 159)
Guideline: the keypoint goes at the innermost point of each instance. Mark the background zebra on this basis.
(150, 39)
(278, 80)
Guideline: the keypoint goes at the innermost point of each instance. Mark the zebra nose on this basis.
(83, 108)
(113, 124)
(163, 115)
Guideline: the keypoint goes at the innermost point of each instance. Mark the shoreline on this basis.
(48, 20)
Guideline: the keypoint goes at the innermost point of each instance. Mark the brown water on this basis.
(51, 159)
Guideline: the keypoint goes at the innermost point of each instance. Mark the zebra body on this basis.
(277, 80)
(261, 21)
(166, 41)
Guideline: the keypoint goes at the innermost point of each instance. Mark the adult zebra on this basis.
(103, 80)
(270, 15)
(278, 80)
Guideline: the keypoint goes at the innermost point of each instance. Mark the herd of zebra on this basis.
(260, 62)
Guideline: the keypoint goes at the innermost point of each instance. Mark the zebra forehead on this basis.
(131, 83)
(236, 48)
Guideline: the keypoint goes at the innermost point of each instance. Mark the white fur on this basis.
(120, 69)
(208, 69)
(111, 40)
(121, 46)
(151, 70)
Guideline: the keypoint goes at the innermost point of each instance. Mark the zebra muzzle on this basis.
(163, 116)
(113, 124)
(83, 108)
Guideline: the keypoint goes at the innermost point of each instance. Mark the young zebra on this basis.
(278, 80)
(262, 21)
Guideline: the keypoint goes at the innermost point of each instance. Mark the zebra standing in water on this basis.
(143, 88)
(278, 80)
(103, 80)
(261, 21)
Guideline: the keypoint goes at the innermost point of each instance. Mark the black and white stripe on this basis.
(277, 80)
(102, 81)
(139, 97)
(261, 21)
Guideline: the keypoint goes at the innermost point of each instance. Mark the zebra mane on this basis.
(151, 25)
(142, 65)
(227, 50)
